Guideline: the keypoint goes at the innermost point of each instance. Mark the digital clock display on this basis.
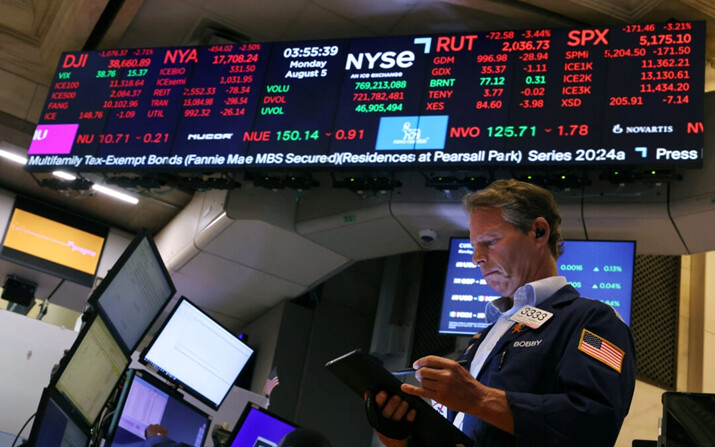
(627, 95)
(314, 51)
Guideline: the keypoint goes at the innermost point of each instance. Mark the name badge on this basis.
(531, 316)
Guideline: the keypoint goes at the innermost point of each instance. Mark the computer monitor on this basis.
(135, 291)
(688, 420)
(602, 270)
(195, 351)
(258, 427)
(57, 424)
(91, 370)
(144, 401)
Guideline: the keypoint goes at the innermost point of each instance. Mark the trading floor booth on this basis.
(190, 366)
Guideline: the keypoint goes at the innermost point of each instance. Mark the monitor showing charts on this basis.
(194, 351)
(146, 401)
(135, 291)
(257, 427)
(56, 424)
(95, 364)
(602, 270)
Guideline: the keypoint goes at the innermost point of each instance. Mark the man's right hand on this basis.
(155, 429)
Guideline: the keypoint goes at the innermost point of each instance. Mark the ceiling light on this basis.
(116, 194)
(13, 157)
(64, 175)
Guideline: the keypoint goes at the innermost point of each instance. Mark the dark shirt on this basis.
(558, 381)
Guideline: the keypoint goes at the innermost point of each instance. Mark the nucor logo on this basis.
(209, 136)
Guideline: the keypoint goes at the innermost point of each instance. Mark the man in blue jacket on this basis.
(553, 368)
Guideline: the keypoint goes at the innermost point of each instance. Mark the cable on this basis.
(46, 303)
(23, 428)
(100, 428)
(109, 14)
(670, 216)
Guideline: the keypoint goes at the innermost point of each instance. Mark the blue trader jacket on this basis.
(561, 390)
(160, 441)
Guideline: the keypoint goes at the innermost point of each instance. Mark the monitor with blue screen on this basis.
(144, 401)
(257, 427)
(601, 270)
(57, 424)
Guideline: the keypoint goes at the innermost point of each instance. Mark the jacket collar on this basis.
(530, 294)
(560, 298)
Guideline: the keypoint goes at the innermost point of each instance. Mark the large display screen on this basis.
(601, 270)
(195, 351)
(135, 291)
(96, 362)
(145, 401)
(630, 94)
(48, 239)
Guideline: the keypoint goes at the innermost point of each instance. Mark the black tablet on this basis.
(363, 372)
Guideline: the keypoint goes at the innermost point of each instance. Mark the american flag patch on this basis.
(601, 349)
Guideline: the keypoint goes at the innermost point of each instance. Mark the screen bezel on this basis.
(159, 370)
(96, 296)
(61, 217)
(668, 399)
(51, 394)
(161, 386)
(244, 415)
(447, 278)
(65, 361)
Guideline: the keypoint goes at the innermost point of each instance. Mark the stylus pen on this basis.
(403, 372)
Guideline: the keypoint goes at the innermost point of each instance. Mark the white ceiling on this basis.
(270, 258)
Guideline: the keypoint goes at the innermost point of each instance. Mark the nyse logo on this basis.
(385, 60)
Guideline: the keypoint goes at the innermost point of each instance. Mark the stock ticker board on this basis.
(626, 95)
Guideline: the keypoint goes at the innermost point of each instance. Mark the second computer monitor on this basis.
(193, 350)
(57, 424)
(146, 401)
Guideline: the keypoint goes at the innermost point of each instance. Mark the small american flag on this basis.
(271, 382)
(601, 349)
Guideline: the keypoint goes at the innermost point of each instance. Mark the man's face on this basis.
(507, 257)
